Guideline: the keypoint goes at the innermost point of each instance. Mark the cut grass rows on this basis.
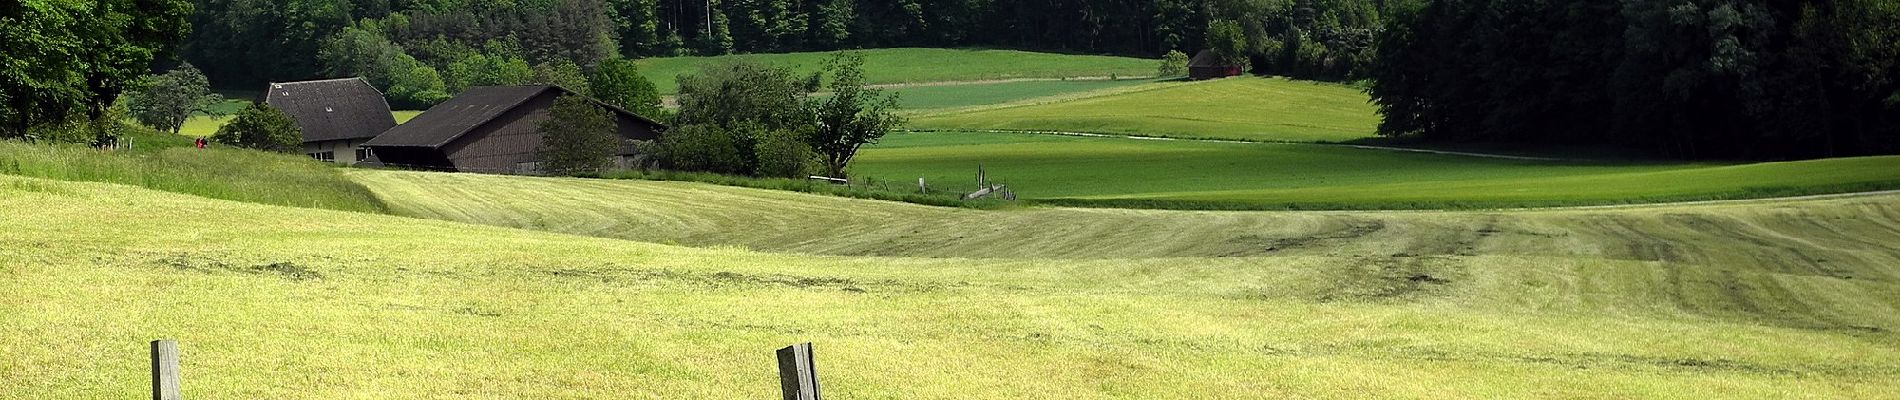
(710, 216)
(275, 302)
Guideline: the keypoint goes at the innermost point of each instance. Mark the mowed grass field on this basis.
(1096, 171)
(1783, 299)
(921, 65)
(937, 97)
(1245, 108)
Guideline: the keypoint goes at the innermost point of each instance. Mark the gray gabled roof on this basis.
(472, 108)
(332, 109)
(1206, 58)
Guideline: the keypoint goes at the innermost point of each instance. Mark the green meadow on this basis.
(1134, 267)
(168, 163)
(924, 98)
(1149, 173)
(280, 302)
(1249, 109)
(922, 65)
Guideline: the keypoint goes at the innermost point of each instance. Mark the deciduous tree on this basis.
(853, 116)
(577, 138)
(168, 100)
(261, 127)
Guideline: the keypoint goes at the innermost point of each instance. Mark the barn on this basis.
(1206, 65)
(336, 115)
(492, 129)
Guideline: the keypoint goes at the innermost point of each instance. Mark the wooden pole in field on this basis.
(797, 376)
(165, 370)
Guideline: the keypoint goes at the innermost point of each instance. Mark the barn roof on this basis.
(1206, 58)
(476, 106)
(332, 109)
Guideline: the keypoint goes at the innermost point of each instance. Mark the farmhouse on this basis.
(492, 129)
(1206, 65)
(336, 115)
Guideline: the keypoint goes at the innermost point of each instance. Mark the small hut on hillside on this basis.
(492, 129)
(1206, 65)
(336, 115)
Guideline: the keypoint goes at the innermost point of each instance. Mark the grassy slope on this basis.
(167, 163)
(1253, 109)
(707, 215)
(924, 98)
(273, 302)
(913, 65)
(1182, 174)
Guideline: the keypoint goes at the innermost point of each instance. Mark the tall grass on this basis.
(229, 174)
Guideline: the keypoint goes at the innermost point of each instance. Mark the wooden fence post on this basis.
(797, 376)
(165, 370)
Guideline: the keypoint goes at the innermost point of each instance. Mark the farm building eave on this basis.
(464, 113)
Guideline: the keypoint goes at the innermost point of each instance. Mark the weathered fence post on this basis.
(797, 376)
(165, 370)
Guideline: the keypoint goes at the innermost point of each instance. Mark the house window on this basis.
(327, 156)
(363, 153)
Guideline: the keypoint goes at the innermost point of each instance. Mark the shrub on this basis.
(577, 138)
(261, 127)
(618, 82)
(784, 153)
(419, 87)
(562, 73)
(1173, 64)
(701, 147)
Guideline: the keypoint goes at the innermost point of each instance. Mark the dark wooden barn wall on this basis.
(511, 139)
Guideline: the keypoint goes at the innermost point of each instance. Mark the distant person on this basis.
(200, 143)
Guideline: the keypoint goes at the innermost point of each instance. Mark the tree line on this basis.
(737, 118)
(242, 43)
(1684, 78)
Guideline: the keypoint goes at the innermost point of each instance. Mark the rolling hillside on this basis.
(920, 65)
(1772, 300)
(1250, 109)
(1741, 234)
(1090, 171)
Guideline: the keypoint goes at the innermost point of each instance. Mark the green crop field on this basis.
(1190, 174)
(935, 97)
(277, 302)
(1251, 109)
(922, 65)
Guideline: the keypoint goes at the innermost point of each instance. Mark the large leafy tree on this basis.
(168, 99)
(562, 73)
(64, 57)
(577, 137)
(853, 116)
(261, 127)
(618, 82)
(728, 94)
